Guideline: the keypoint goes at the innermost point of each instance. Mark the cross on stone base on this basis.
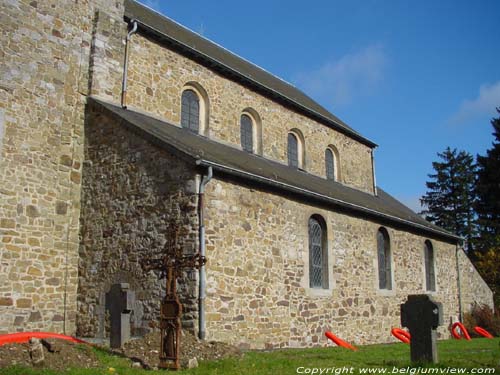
(119, 302)
(422, 316)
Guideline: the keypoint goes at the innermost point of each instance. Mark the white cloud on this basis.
(484, 104)
(339, 81)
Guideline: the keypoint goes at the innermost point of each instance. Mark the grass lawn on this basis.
(454, 356)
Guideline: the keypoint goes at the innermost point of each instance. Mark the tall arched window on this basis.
(331, 173)
(430, 276)
(384, 259)
(318, 253)
(190, 112)
(246, 133)
(293, 150)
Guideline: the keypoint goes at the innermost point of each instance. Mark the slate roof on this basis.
(166, 30)
(233, 163)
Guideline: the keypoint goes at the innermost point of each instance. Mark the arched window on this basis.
(318, 253)
(430, 277)
(246, 133)
(384, 259)
(190, 112)
(331, 173)
(295, 149)
(332, 165)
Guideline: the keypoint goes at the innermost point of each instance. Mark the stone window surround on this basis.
(204, 106)
(424, 283)
(384, 292)
(336, 163)
(304, 232)
(301, 148)
(257, 129)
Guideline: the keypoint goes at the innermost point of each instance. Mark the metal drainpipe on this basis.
(373, 173)
(125, 63)
(202, 282)
(457, 249)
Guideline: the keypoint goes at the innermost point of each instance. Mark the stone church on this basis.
(116, 121)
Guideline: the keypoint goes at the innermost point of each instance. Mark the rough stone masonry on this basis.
(84, 196)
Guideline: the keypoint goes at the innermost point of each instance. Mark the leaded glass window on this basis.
(318, 259)
(430, 277)
(329, 164)
(190, 111)
(246, 133)
(293, 151)
(384, 260)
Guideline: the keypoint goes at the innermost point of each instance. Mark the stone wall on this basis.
(132, 190)
(157, 76)
(474, 289)
(45, 53)
(258, 291)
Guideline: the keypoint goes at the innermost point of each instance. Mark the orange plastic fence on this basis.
(25, 336)
(339, 341)
(464, 331)
(401, 335)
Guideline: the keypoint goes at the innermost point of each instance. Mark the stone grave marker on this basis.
(119, 302)
(422, 316)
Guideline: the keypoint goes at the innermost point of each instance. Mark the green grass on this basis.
(478, 353)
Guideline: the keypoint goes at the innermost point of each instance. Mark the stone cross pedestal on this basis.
(422, 316)
(119, 302)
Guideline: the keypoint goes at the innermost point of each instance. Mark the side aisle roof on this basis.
(253, 169)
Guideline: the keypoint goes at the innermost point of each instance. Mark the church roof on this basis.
(233, 163)
(166, 30)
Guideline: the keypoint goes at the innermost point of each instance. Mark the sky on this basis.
(413, 76)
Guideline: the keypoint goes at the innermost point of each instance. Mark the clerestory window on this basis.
(190, 112)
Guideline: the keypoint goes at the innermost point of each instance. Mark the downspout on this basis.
(125, 63)
(202, 282)
(457, 249)
(373, 173)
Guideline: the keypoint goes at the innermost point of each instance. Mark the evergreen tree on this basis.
(450, 198)
(488, 193)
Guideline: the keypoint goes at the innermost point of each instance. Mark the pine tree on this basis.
(450, 196)
(488, 193)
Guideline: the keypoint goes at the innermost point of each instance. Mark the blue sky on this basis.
(413, 76)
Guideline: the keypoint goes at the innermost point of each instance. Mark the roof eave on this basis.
(325, 199)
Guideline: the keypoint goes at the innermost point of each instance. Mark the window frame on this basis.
(330, 167)
(249, 136)
(203, 108)
(385, 257)
(300, 149)
(317, 221)
(429, 267)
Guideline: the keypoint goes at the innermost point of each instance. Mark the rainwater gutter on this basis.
(202, 276)
(125, 63)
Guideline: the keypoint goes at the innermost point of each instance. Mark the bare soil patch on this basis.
(58, 355)
(146, 350)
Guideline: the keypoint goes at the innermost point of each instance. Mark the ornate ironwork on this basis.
(170, 265)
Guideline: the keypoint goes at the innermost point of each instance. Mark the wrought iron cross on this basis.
(170, 266)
